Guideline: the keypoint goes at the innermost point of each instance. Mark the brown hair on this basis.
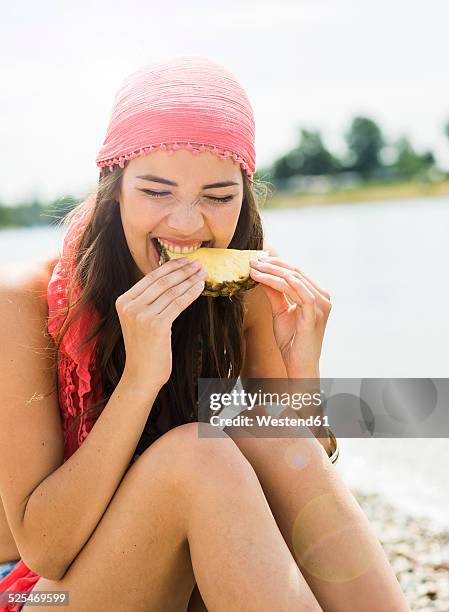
(211, 325)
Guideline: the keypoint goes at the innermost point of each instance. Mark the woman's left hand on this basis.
(298, 327)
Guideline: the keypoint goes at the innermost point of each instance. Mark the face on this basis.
(183, 203)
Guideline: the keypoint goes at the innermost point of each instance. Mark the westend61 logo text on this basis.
(250, 400)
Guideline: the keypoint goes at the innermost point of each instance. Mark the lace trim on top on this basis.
(171, 147)
(75, 366)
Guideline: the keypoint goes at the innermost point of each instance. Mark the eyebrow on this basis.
(158, 179)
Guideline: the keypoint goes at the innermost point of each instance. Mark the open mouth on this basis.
(158, 248)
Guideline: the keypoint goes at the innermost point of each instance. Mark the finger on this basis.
(165, 283)
(299, 294)
(176, 306)
(279, 262)
(279, 302)
(308, 306)
(143, 283)
(322, 301)
(288, 270)
(167, 297)
(278, 271)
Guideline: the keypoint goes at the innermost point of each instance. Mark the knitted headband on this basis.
(187, 102)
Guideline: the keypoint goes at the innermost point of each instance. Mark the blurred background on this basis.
(351, 100)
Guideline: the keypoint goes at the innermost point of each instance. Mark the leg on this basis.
(196, 603)
(323, 525)
(188, 509)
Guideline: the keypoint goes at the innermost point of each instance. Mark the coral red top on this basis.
(79, 385)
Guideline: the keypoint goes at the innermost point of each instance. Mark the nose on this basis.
(185, 219)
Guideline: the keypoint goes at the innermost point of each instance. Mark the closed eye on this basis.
(224, 199)
(156, 194)
(162, 194)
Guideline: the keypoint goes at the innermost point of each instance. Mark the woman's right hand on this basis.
(146, 313)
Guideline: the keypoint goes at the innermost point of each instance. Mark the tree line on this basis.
(369, 156)
(36, 212)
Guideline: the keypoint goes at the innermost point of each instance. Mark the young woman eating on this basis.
(109, 492)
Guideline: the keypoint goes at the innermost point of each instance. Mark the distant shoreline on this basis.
(367, 193)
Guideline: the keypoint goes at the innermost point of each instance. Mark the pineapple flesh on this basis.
(228, 269)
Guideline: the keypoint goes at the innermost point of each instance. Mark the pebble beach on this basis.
(417, 551)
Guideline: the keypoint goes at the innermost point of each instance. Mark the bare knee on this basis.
(202, 452)
(192, 454)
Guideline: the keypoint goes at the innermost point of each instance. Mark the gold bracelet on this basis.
(335, 449)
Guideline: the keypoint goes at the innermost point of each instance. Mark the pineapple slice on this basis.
(228, 269)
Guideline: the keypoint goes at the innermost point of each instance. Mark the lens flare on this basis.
(331, 542)
(297, 455)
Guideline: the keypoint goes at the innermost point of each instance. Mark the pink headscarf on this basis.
(79, 382)
(186, 102)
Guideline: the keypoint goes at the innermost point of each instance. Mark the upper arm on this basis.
(31, 441)
(262, 357)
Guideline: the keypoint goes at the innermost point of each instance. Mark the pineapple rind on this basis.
(223, 257)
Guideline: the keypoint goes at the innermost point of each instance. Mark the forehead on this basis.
(183, 167)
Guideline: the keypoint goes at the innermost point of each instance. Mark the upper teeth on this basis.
(175, 248)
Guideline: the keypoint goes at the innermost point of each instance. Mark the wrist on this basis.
(312, 371)
(326, 443)
(137, 390)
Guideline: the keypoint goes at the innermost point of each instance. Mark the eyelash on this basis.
(161, 194)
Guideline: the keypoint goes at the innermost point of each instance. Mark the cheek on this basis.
(233, 217)
(225, 220)
(139, 218)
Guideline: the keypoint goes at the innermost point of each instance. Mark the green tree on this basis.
(409, 163)
(35, 212)
(309, 157)
(6, 216)
(365, 141)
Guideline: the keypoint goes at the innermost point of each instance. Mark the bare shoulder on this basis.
(24, 317)
(27, 288)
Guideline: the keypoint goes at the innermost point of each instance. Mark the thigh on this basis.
(138, 556)
(196, 603)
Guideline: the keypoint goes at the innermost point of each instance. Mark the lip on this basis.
(180, 242)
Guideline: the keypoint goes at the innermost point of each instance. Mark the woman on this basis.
(110, 494)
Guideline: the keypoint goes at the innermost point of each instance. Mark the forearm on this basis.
(63, 511)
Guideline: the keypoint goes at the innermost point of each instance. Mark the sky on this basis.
(312, 64)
